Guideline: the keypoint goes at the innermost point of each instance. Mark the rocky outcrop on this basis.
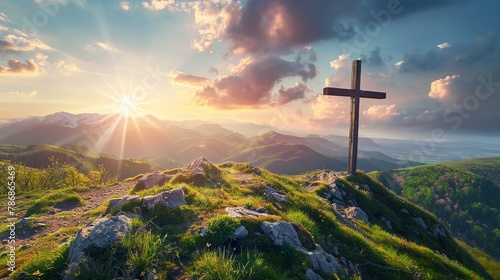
(285, 233)
(202, 166)
(96, 235)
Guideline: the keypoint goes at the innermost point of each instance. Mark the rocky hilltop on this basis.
(236, 221)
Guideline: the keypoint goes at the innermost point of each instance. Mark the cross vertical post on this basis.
(355, 93)
(353, 133)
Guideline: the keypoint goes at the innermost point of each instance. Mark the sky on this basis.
(260, 61)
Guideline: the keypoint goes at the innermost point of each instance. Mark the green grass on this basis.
(217, 265)
(44, 203)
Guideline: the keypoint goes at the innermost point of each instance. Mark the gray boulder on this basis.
(323, 261)
(282, 233)
(172, 198)
(356, 213)
(98, 234)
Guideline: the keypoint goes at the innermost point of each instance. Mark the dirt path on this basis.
(64, 215)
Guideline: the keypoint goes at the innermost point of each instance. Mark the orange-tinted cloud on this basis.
(16, 67)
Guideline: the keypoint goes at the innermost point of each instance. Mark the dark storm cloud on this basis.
(251, 84)
(275, 26)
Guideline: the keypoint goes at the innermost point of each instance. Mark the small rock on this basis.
(203, 231)
(336, 192)
(117, 203)
(23, 222)
(388, 224)
(41, 224)
(237, 212)
(335, 251)
(261, 210)
(439, 231)
(356, 213)
(274, 194)
(25, 246)
(404, 211)
(323, 261)
(343, 260)
(311, 275)
(239, 233)
(366, 188)
(420, 222)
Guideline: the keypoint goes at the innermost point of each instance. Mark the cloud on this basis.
(65, 68)
(381, 112)
(375, 59)
(342, 67)
(125, 5)
(30, 94)
(16, 67)
(446, 56)
(250, 84)
(100, 46)
(189, 80)
(157, 5)
(442, 89)
(443, 45)
(18, 43)
(290, 94)
(329, 110)
(3, 17)
(277, 26)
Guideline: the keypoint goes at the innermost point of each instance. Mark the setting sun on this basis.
(127, 106)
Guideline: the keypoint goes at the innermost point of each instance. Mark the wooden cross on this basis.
(355, 93)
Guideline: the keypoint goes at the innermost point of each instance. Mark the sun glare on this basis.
(127, 106)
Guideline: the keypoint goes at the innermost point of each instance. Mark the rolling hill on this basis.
(235, 221)
(466, 202)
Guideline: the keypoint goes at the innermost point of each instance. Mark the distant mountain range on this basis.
(167, 143)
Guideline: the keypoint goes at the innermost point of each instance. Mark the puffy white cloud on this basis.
(381, 112)
(342, 74)
(125, 5)
(157, 5)
(442, 89)
(330, 109)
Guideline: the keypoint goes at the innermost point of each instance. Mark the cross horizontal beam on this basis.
(352, 93)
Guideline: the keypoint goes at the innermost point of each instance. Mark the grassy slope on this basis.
(405, 252)
(82, 158)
